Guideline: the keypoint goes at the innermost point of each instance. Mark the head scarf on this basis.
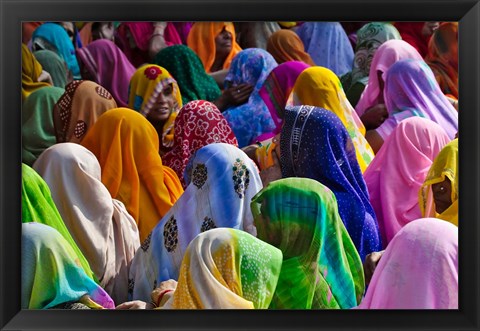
(321, 267)
(187, 69)
(320, 87)
(419, 269)
(315, 144)
(255, 34)
(277, 88)
(101, 226)
(50, 272)
(285, 45)
(38, 132)
(328, 45)
(145, 86)
(411, 32)
(38, 206)
(221, 181)
(227, 269)
(198, 124)
(201, 39)
(399, 169)
(126, 146)
(411, 90)
(79, 108)
(386, 55)
(31, 70)
(251, 119)
(58, 39)
(54, 65)
(109, 66)
(444, 166)
(442, 57)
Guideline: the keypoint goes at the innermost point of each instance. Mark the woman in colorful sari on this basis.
(328, 45)
(251, 119)
(411, 90)
(55, 66)
(285, 45)
(438, 195)
(221, 181)
(315, 144)
(155, 94)
(126, 146)
(198, 124)
(79, 108)
(398, 171)
(321, 267)
(38, 206)
(417, 34)
(418, 270)
(104, 63)
(101, 226)
(33, 75)
(369, 38)
(51, 277)
(319, 87)
(38, 132)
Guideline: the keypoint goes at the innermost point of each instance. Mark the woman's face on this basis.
(442, 195)
(164, 105)
(69, 27)
(223, 42)
(381, 85)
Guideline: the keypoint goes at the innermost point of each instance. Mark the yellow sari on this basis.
(31, 71)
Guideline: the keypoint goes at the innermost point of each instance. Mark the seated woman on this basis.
(398, 171)
(285, 45)
(155, 94)
(55, 66)
(104, 63)
(51, 277)
(221, 181)
(418, 270)
(78, 109)
(33, 75)
(321, 267)
(126, 146)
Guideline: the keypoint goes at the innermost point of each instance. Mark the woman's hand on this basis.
(374, 117)
(136, 304)
(272, 173)
(45, 77)
(370, 264)
(234, 96)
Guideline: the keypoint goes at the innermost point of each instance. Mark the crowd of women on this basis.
(262, 165)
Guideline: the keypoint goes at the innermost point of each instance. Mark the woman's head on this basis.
(223, 43)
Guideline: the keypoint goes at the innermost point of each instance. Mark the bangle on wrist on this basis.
(156, 34)
(161, 295)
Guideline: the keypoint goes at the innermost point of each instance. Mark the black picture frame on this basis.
(13, 12)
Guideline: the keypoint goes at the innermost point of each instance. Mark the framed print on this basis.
(14, 12)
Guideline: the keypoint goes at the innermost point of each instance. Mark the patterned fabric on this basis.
(285, 45)
(38, 132)
(58, 41)
(419, 269)
(51, 274)
(386, 55)
(199, 123)
(126, 146)
(442, 57)
(315, 144)
(321, 267)
(251, 119)
(319, 87)
(411, 90)
(227, 269)
(201, 39)
(221, 181)
(328, 45)
(399, 169)
(54, 65)
(31, 70)
(109, 67)
(187, 69)
(444, 166)
(145, 86)
(38, 206)
(79, 108)
(101, 226)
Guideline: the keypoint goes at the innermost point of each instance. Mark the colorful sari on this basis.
(54, 65)
(51, 274)
(251, 119)
(79, 108)
(285, 45)
(187, 69)
(221, 181)
(321, 266)
(444, 166)
(31, 70)
(315, 144)
(101, 226)
(419, 269)
(198, 124)
(411, 32)
(398, 171)
(126, 146)
(227, 269)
